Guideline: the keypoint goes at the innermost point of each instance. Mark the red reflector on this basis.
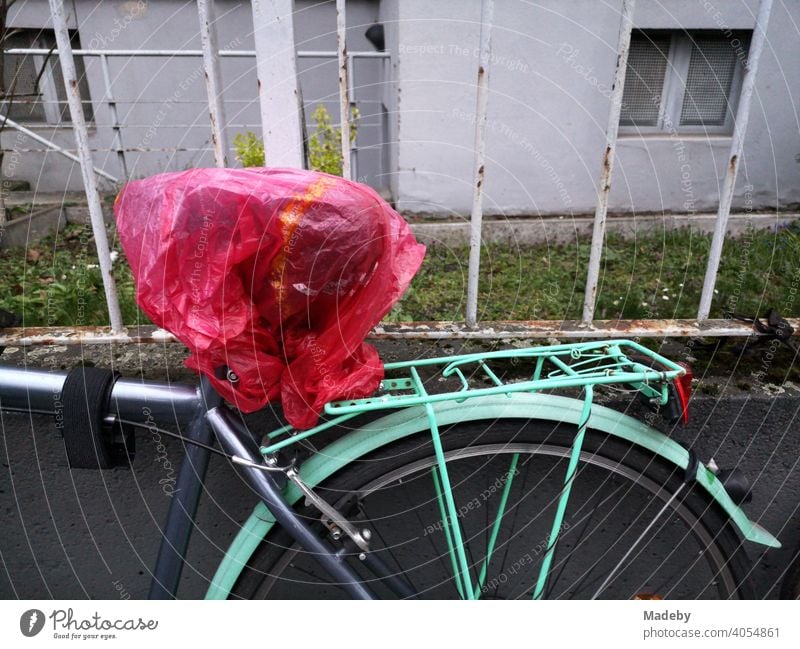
(683, 386)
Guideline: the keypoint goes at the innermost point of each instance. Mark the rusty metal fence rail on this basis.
(277, 80)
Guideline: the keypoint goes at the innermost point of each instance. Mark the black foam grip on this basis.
(84, 402)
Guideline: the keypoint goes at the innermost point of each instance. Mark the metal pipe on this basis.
(87, 168)
(351, 89)
(737, 145)
(607, 167)
(4, 120)
(476, 216)
(115, 125)
(325, 54)
(211, 68)
(489, 330)
(303, 54)
(278, 93)
(184, 500)
(25, 389)
(344, 87)
(147, 401)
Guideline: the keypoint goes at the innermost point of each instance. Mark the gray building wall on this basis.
(162, 101)
(552, 63)
(551, 66)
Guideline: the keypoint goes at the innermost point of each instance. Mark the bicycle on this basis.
(457, 479)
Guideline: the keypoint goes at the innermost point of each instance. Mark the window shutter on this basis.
(712, 66)
(644, 80)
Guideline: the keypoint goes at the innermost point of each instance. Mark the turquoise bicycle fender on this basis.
(414, 420)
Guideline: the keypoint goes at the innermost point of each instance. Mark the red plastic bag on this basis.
(278, 274)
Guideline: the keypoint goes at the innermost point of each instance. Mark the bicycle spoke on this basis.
(616, 568)
(561, 509)
(515, 509)
(497, 522)
(436, 552)
(682, 570)
(615, 512)
(397, 567)
(581, 537)
(448, 531)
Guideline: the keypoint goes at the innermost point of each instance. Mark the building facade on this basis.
(550, 79)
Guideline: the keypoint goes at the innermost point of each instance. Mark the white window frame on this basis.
(672, 94)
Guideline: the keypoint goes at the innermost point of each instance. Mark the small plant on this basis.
(249, 149)
(58, 283)
(325, 144)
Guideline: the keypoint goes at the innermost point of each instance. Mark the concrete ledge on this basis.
(33, 227)
(553, 229)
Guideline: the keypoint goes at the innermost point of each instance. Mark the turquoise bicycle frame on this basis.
(582, 365)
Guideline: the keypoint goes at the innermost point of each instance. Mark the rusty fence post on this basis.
(732, 168)
(84, 154)
(344, 86)
(607, 166)
(211, 70)
(476, 215)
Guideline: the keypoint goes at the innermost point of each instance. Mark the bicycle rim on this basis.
(632, 529)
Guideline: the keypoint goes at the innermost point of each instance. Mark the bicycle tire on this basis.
(693, 552)
(790, 588)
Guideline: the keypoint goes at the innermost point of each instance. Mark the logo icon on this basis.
(31, 622)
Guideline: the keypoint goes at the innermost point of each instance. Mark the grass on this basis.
(655, 276)
(57, 282)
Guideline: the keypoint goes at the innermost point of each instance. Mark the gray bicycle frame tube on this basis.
(135, 400)
(148, 403)
(236, 443)
(185, 500)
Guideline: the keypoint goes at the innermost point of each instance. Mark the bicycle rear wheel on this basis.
(790, 589)
(632, 529)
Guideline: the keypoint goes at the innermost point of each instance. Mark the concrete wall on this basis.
(552, 66)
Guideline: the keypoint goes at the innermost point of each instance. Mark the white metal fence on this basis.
(115, 106)
(277, 77)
